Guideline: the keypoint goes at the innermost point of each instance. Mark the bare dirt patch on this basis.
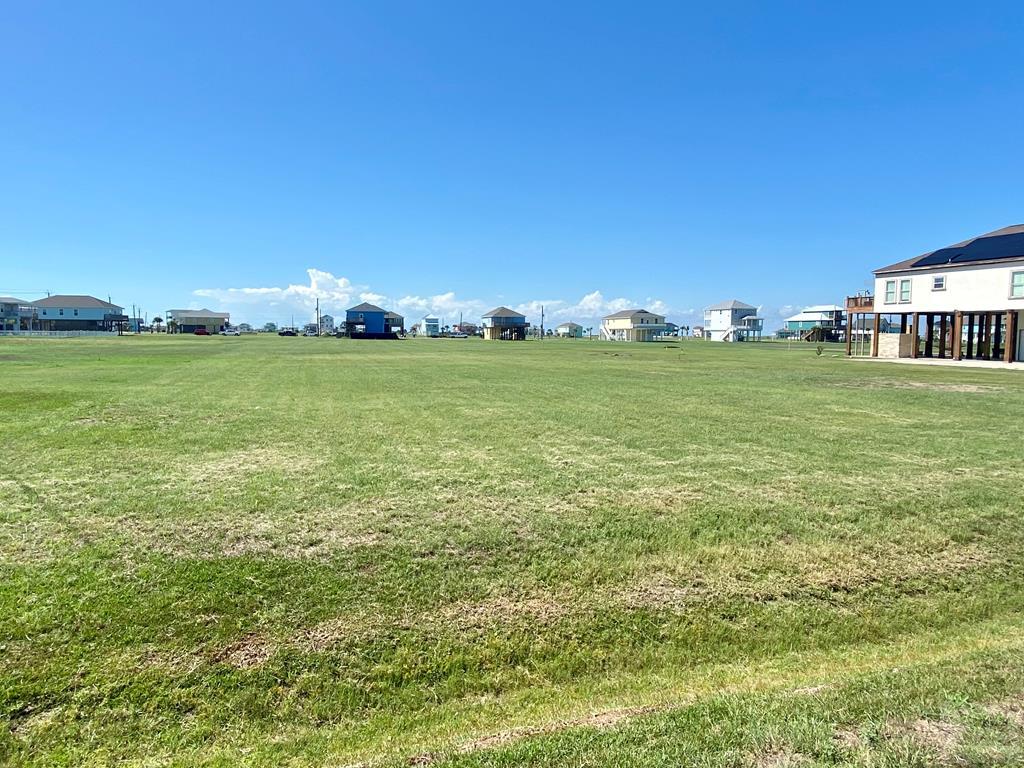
(34, 722)
(940, 736)
(1012, 709)
(848, 739)
(248, 652)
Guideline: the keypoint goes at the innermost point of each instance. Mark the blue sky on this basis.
(444, 157)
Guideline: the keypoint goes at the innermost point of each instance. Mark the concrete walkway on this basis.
(995, 364)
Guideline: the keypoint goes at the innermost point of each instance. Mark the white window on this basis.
(1017, 285)
(939, 283)
(904, 291)
(890, 291)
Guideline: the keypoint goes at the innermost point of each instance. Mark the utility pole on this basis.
(318, 329)
(542, 322)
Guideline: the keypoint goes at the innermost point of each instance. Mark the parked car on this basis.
(287, 332)
(231, 332)
(310, 333)
(460, 335)
(201, 332)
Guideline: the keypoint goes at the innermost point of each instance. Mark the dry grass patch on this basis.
(933, 386)
(849, 740)
(790, 573)
(1010, 709)
(939, 736)
(601, 720)
(32, 723)
(777, 757)
(251, 651)
(501, 610)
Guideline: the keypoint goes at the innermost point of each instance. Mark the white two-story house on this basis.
(962, 301)
(732, 321)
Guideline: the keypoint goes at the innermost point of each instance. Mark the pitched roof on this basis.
(197, 313)
(503, 312)
(365, 307)
(570, 325)
(12, 300)
(80, 302)
(731, 304)
(999, 245)
(629, 313)
(814, 313)
(393, 315)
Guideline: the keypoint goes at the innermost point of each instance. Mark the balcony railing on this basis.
(860, 303)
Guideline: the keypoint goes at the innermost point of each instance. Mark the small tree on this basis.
(157, 322)
(270, 328)
(172, 326)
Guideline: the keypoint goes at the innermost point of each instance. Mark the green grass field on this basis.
(318, 552)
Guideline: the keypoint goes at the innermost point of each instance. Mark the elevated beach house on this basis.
(964, 301)
(570, 330)
(732, 321)
(78, 313)
(16, 315)
(191, 320)
(504, 324)
(632, 325)
(821, 322)
(394, 323)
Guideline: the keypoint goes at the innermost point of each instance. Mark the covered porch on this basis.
(993, 335)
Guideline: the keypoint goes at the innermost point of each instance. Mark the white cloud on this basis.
(591, 307)
(446, 305)
(336, 294)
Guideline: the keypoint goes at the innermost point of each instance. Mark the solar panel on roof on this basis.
(982, 249)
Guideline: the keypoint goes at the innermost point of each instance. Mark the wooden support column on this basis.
(903, 323)
(849, 333)
(970, 335)
(929, 339)
(913, 330)
(1011, 337)
(984, 328)
(997, 332)
(874, 334)
(943, 327)
(958, 335)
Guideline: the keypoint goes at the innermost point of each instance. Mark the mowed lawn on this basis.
(290, 551)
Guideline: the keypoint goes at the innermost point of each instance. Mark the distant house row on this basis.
(60, 313)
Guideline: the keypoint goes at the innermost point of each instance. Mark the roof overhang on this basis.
(899, 270)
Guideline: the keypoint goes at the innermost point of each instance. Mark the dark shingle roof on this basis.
(503, 312)
(365, 307)
(81, 302)
(1000, 245)
(628, 313)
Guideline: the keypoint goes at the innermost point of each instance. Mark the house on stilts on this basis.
(962, 302)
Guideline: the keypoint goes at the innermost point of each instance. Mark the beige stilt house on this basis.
(504, 324)
(632, 325)
(962, 302)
